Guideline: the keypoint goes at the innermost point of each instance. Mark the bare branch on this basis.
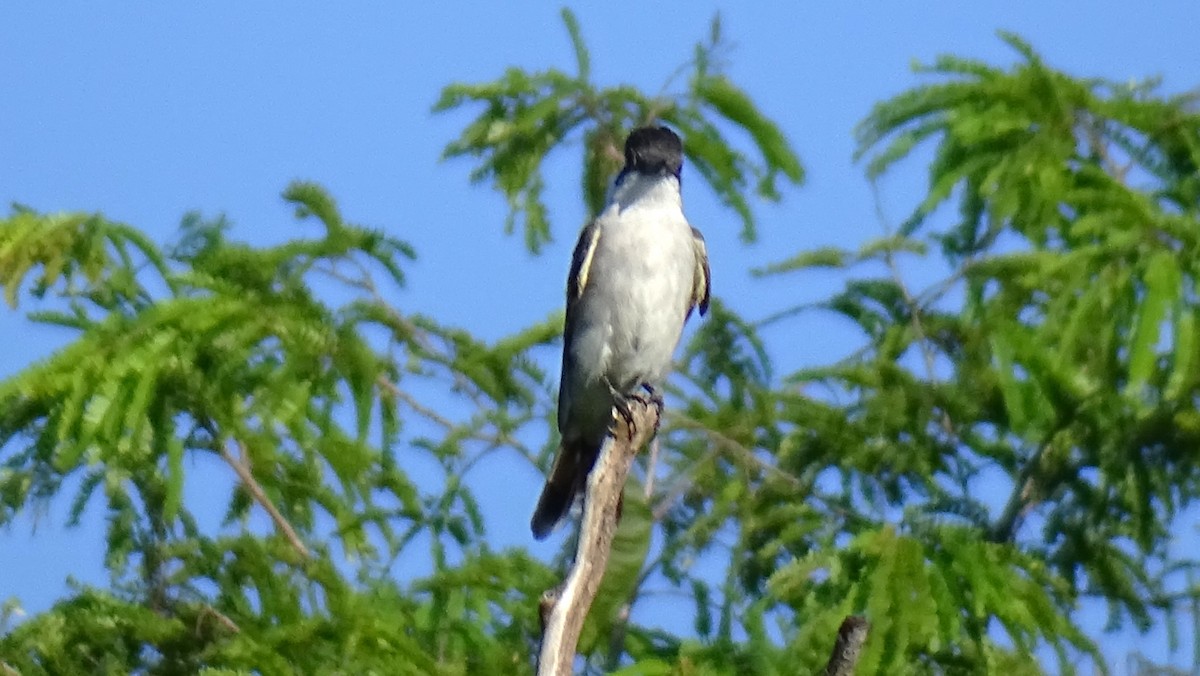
(241, 466)
(415, 405)
(564, 608)
(1028, 489)
(651, 466)
(220, 617)
(848, 646)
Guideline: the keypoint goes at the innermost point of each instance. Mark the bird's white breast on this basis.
(640, 281)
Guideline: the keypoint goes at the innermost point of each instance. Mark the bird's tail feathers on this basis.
(567, 479)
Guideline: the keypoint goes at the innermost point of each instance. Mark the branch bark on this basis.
(564, 608)
(848, 646)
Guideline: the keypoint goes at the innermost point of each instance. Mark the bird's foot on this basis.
(651, 398)
(621, 405)
(620, 402)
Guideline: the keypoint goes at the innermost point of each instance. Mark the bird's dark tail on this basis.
(567, 479)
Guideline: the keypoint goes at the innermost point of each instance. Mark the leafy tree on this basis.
(213, 348)
(1054, 359)
(526, 115)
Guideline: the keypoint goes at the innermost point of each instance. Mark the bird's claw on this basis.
(621, 406)
(650, 398)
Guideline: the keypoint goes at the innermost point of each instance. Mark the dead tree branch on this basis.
(564, 608)
(847, 647)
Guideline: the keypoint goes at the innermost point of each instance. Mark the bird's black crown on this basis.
(655, 151)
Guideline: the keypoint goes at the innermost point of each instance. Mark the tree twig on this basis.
(241, 466)
(221, 618)
(564, 608)
(737, 449)
(415, 405)
(848, 646)
(914, 307)
(651, 466)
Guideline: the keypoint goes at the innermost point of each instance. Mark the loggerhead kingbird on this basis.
(637, 272)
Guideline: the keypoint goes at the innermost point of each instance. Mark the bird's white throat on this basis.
(641, 191)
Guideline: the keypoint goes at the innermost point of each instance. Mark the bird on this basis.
(638, 271)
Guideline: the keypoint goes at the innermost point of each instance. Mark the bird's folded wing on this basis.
(701, 282)
(577, 279)
(581, 266)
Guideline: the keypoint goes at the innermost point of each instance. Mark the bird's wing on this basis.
(577, 279)
(701, 280)
(581, 267)
(572, 460)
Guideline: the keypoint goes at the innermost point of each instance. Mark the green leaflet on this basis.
(1184, 349)
(1010, 387)
(1162, 289)
(825, 257)
(734, 105)
(174, 479)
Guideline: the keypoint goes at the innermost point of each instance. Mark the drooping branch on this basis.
(848, 646)
(241, 466)
(564, 608)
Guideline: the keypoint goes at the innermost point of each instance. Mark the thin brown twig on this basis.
(722, 443)
(911, 302)
(241, 466)
(1025, 494)
(650, 467)
(1100, 147)
(221, 618)
(731, 444)
(415, 405)
(679, 486)
(366, 282)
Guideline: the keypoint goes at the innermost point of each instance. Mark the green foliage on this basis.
(222, 350)
(378, 629)
(1054, 362)
(1087, 324)
(527, 115)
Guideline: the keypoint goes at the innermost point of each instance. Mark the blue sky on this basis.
(144, 112)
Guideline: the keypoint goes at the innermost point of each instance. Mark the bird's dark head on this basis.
(654, 151)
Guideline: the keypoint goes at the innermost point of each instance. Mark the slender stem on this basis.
(415, 405)
(221, 619)
(241, 466)
(651, 466)
(1024, 491)
(914, 306)
(739, 450)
